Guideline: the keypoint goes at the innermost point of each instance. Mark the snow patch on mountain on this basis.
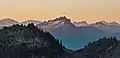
(31, 21)
(82, 23)
(112, 27)
(56, 23)
(7, 22)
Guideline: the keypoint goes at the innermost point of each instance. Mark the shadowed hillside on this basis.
(103, 48)
(20, 41)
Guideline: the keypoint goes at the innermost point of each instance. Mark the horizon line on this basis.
(58, 17)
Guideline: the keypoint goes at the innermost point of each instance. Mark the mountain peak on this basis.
(82, 23)
(114, 22)
(31, 21)
(64, 19)
(8, 20)
(101, 22)
(56, 23)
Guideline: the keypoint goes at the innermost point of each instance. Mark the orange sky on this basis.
(77, 10)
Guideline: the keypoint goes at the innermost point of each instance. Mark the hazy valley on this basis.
(74, 35)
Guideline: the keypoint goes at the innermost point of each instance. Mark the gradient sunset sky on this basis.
(77, 10)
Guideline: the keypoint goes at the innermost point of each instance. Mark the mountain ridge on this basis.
(20, 41)
(63, 29)
(79, 23)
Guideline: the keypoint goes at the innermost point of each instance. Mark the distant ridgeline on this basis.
(20, 41)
